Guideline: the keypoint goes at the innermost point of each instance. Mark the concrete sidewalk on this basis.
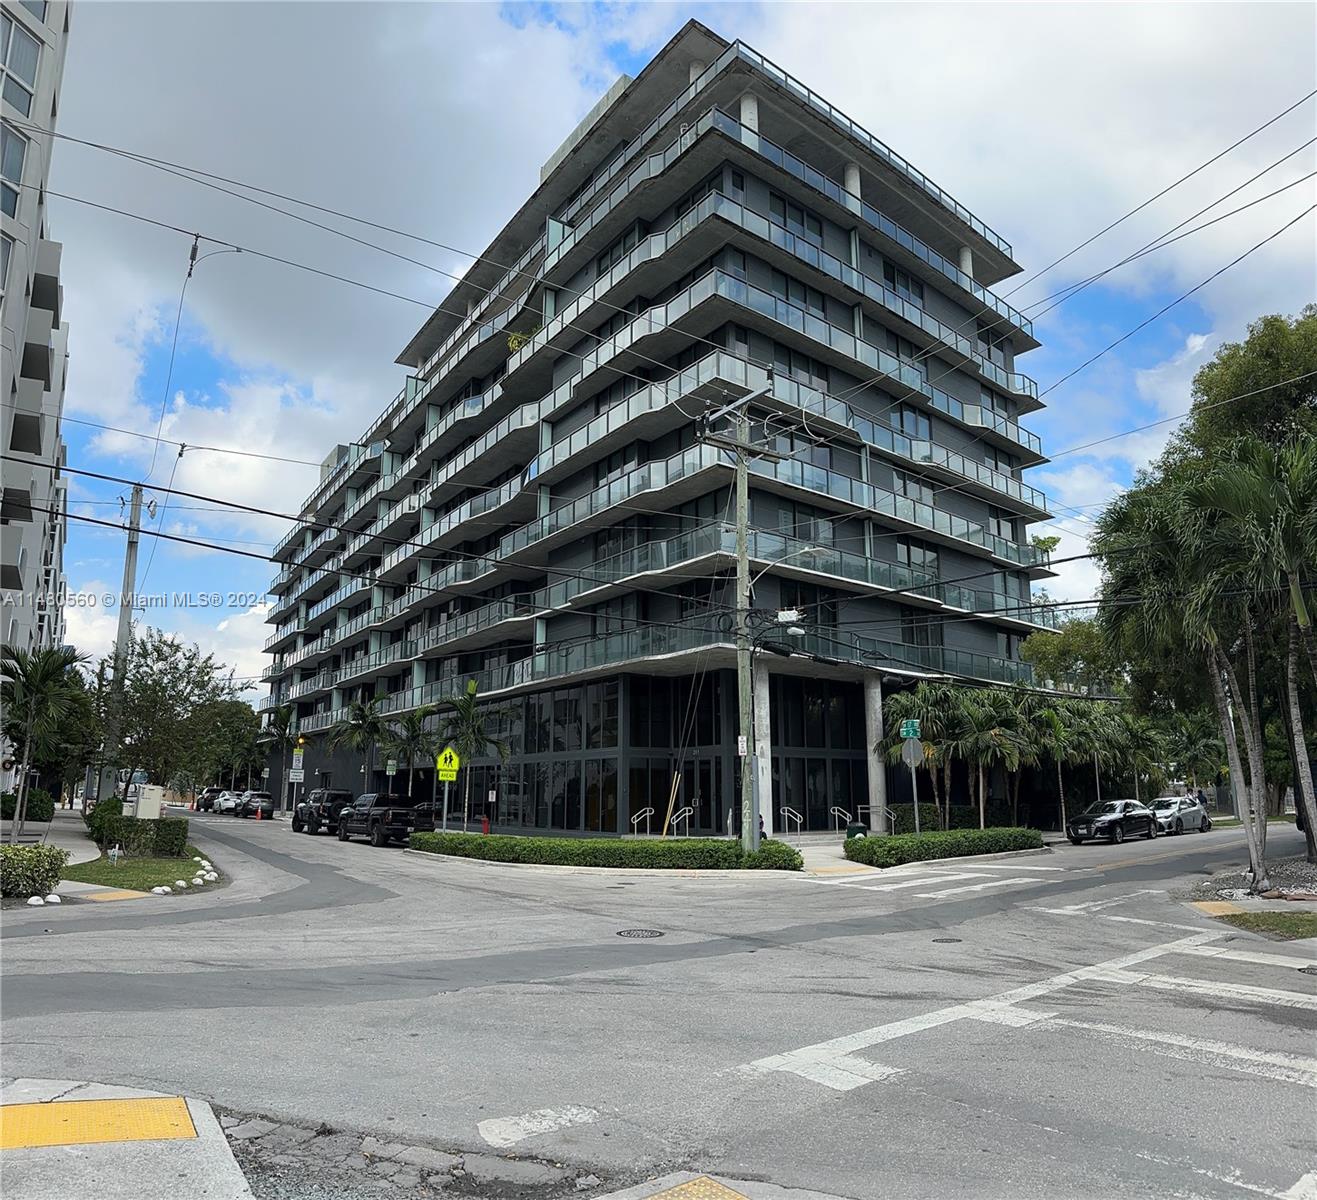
(64, 1139)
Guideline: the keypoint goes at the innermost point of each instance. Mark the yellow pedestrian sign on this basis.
(447, 764)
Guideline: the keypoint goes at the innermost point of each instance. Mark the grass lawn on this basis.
(1278, 924)
(141, 874)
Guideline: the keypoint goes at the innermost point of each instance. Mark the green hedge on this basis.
(680, 854)
(30, 870)
(774, 856)
(903, 818)
(40, 806)
(891, 851)
(103, 811)
(165, 837)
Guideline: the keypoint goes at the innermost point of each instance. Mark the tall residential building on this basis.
(33, 36)
(538, 511)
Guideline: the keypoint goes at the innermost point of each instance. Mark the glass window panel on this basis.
(23, 52)
(17, 95)
(609, 726)
(13, 149)
(8, 200)
(608, 796)
(572, 792)
(6, 247)
(36, 7)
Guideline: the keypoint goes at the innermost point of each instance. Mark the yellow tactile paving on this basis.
(702, 1188)
(81, 1122)
(115, 894)
(1216, 908)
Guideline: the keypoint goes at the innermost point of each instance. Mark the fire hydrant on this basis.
(484, 824)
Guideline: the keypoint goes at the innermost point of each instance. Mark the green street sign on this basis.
(910, 728)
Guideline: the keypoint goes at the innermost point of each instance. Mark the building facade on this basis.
(32, 522)
(539, 510)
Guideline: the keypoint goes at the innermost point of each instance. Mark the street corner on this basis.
(64, 1139)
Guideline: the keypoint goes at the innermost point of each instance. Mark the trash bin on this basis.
(855, 829)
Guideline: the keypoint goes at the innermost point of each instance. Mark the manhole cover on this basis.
(944, 941)
(640, 933)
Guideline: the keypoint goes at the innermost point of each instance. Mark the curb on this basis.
(962, 858)
(648, 872)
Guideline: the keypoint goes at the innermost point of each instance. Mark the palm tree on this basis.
(360, 731)
(281, 732)
(1195, 746)
(466, 728)
(935, 707)
(982, 737)
(1269, 501)
(38, 695)
(408, 739)
(1144, 745)
(1052, 732)
(1031, 709)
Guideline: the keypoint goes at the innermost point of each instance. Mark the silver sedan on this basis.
(1178, 814)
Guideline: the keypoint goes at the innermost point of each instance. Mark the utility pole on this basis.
(739, 445)
(114, 711)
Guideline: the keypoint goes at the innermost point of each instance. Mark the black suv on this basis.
(252, 801)
(384, 817)
(206, 800)
(320, 810)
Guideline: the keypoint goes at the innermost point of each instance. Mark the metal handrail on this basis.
(841, 816)
(643, 815)
(683, 814)
(788, 815)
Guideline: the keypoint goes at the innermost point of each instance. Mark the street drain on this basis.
(1308, 970)
(944, 941)
(640, 933)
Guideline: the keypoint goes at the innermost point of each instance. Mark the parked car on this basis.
(206, 799)
(227, 802)
(1112, 819)
(320, 810)
(1175, 814)
(383, 818)
(251, 801)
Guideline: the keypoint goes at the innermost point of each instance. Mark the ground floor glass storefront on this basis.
(591, 758)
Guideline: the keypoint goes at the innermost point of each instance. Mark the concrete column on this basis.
(750, 111)
(857, 321)
(418, 674)
(854, 244)
(697, 68)
(851, 182)
(967, 261)
(550, 304)
(873, 735)
(763, 745)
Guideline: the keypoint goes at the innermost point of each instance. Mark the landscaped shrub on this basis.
(678, 854)
(774, 856)
(903, 818)
(137, 838)
(105, 810)
(891, 851)
(40, 806)
(30, 870)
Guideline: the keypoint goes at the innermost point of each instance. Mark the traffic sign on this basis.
(912, 753)
(391, 767)
(296, 775)
(265, 774)
(910, 728)
(447, 764)
(297, 760)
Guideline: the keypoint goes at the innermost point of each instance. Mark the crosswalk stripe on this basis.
(1251, 956)
(1212, 987)
(923, 881)
(975, 887)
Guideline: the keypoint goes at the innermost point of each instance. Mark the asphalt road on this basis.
(1048, 1026)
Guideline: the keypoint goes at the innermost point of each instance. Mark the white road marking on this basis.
(811, 1062)
(924, 882)
(1069, 912)
(508, 1131)
(1210, 987)
(975, 887)
(1305, 1189)
(1252, 956)
(1110, 902)
(1270, 1064)
(1030, 865)
(1231, 1180)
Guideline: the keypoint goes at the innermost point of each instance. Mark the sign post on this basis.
(446, 766)
(912, 754)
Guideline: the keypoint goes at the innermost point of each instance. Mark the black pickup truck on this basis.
(384, 817)
(320, 810)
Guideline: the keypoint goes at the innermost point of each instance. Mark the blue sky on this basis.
(272, 361)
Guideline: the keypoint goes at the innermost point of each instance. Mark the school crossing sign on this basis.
(447, 764)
